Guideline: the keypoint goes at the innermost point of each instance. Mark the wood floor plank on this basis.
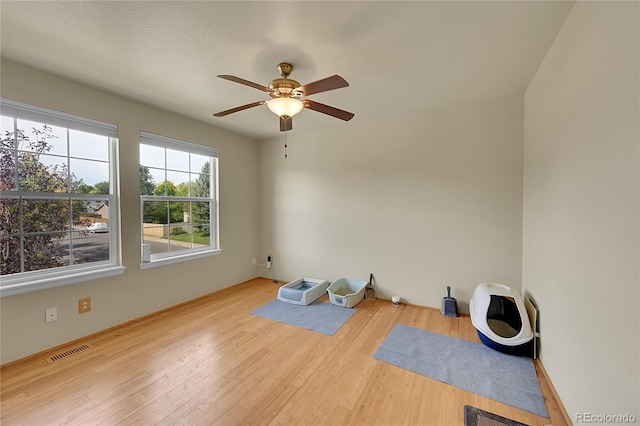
(210, 361)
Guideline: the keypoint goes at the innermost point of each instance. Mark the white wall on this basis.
(136, 292)
(581, 214)
(424, 200)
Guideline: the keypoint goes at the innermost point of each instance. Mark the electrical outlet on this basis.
(254, 262)
(269, 260)
(84, 305)
(51, 315)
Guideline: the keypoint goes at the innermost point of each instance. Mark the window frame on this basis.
(24, 282)
(159, 259)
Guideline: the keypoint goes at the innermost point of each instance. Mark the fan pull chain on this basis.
(285, 144)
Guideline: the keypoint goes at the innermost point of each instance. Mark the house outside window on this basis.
(57, 185)
(178, 200)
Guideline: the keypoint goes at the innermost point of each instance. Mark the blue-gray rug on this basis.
(318, 316)
(471, 366)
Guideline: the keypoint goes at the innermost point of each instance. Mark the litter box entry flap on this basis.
(503, 316)
(291, 294)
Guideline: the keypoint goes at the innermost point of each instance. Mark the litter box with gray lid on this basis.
(302, 291)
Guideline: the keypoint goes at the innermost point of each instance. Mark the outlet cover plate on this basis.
(51, 315)
(84, 305)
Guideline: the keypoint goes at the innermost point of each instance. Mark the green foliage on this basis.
(198, 238)
(201, 188)
(166, 189)
(147, 185)
(182, 190)
(38, 251)
(162, 212)
(177, 231)
(83, 188)
(101, 188)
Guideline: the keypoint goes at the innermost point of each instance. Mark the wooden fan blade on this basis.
(326, 84)
(329, 110)
(286, 124)
(240, 108)
(245, 82)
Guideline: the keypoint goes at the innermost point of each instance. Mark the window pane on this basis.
(7, 170)
(88, 212)
(181, 181)
(155, 212)
(152, 156)
(177, 160)
(10, 214)
(89, 247)
(199, 164)
(7, 155)
(200, 185)
(177, 212)
(201, 236)
(91, 172)
(147, 181)
(179, 240)
(43, 252)
(200, 213)
(6, 125)
(10, 263)
(88, 145)
(42, 173)
(40, 137)
(181, 235)
(45, 215)
(156, 237)
(157, 177)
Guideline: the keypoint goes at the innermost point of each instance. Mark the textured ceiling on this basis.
(168, 53)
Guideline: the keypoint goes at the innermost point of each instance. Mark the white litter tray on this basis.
(302, 291)
(347, 292)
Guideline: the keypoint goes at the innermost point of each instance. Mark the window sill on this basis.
(20, 285)
(179, 258)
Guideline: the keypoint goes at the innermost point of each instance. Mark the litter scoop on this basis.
(449, 306)
(370, 292)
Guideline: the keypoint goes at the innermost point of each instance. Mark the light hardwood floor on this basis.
(209, 361)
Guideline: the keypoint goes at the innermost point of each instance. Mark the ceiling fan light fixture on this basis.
(285, 107)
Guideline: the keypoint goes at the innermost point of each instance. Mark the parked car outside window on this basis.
(98, 227)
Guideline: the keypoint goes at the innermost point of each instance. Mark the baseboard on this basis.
(563, 410)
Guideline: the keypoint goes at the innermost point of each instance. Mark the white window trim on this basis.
(180, 258)
(40, 280)
(56, 277)
(147, 138)
(57, 118)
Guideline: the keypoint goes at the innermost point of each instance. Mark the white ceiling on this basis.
(168, 53)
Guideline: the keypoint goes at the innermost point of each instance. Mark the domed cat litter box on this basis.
(499, 314)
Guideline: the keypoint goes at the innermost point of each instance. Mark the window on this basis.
(178, 200)
(57, 181)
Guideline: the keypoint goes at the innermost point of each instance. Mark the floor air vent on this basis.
(68, 353)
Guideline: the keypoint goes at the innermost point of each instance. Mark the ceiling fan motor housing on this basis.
(285, 87)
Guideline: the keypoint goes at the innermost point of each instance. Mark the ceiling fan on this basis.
(287, 96)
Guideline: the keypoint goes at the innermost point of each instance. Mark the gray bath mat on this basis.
(318, 316)
(471, 366)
